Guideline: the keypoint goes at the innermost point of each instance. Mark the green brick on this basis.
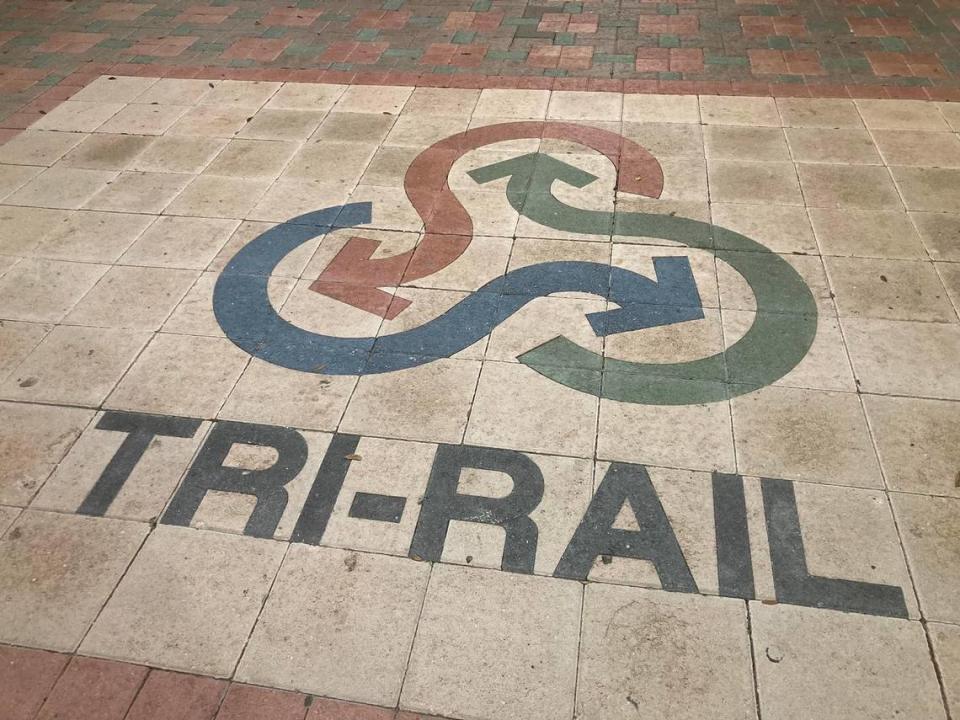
(274, 32)
(142, 59)
(182, 30)
(98, 26)
(393, 4)
(767, 10)
(425, 20)
(481, 5)
(463, 37)
(367, 34)
(669, 41)
(51, 79)
(444, 69)
(301, 49)
(555, 72)
(345, 67)
(622, 59)
(515, 55)
(669, 76)
(564, 38)
(790, 78)
(724, 60)
(574, 8)
(114, 44)
(242, 63)
(893, 44)
(520, 21)
(667, 9)
(616, 23)
(412, 53)
(872, 11)
(779, 42)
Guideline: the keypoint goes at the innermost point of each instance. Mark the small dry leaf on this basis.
(353, 456)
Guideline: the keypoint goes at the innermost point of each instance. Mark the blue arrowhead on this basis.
(671, 299)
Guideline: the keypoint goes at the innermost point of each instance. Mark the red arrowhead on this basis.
(354, 277)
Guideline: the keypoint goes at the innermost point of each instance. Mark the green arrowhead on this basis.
(534, 171)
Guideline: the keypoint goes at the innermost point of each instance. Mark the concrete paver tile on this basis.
(520, 105)
(188, 601)
(143, 119)
(21, 228)
(904, 358)
(364, 595)
(219, 197)
(45, 290)
(33, 439)
(931, 149)
(737, 142)
(78, 116)
(245, 94)
(112, 89)
(661, 108)
(718, 110)
(306, 96)
(940, 233)
(106, 152)
(378, 100)
(139, 298)
(841, 665)
(843, 146)
(162, 381)
(74, 365)
(27, 676)
(804, 435)
(139, 192)
(744, 182)
(93, 688)
(278, 396)
(856, 233)
(859, 187)
(62, 187)
(17, 340)
(917, 441)
(271, 124)
(58, 571)
(517, 408)
(928, 530)
(430, 402)
(665, 652)
(946, 651)
(889, 289)
(174, 91)
(180, 242)
(819, 113)
(782, 228)
(929, 189)
(900, 115)
(38, 147)
(252, 158)
(178, 154)
(494, 645)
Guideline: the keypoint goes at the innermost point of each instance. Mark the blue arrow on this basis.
(243, 309)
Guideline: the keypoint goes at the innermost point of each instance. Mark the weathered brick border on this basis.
(43, 684)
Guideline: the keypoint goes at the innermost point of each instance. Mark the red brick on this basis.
(291, 16)
(91, 688)
(324, 709)
(247, 702)
(261, 49)
(686, 59)
(205, 14)
(121, 11)
(26, 677)
(175, 695)
(652, 60)
(71, 42)
(169, 46)
(682, 25)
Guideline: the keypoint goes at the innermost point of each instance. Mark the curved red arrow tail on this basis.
(448, 227)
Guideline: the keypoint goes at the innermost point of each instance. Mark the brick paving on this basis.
(870, 48)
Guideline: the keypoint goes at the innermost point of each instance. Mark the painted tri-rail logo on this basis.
(780, 336)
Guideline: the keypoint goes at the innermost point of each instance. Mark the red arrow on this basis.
(354, 277)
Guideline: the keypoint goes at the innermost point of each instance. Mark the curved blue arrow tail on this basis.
(243, 308)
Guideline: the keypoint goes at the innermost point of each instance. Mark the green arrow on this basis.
(781, 334)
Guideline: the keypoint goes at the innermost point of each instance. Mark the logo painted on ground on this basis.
(781, 334)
